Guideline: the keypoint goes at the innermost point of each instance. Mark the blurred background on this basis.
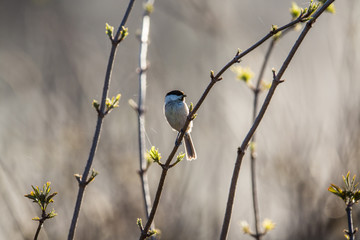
(53, 57)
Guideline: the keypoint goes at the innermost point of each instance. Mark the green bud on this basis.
(330, 8)
(154, 154)
(153, 232)
(274, 28)
(123, 33)
(350, 193)
(243, 74)
(96, 105)
(265, 85)
(92, 176)
(295, 10)
(310, 10)
(277, 35)
(78, 177)
(109, 30)
(212, 75)
(245, 227)
(149, 7)
(51, 214)
(268, 225)
(43, 198)
(112, 103)
(139, 222)
(191, 107)
(180, 157)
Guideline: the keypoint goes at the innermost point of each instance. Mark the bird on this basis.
(176, 112)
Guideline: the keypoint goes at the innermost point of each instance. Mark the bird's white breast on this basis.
(176, 112)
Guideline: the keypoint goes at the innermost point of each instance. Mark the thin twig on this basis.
(38, 229)
(253, 140)
(41, 223)
(351, 232)
(253, 154)
(240, 154)
(143, 66)
(242, 149)
(83, 181)
(257, 44)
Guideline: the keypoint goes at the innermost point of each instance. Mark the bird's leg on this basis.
(176, 141)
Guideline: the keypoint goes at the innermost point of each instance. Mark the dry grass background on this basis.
(53, 57)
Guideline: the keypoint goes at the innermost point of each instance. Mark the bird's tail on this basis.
(189, 147)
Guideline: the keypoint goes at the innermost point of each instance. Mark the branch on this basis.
(253, 155)
(253, 152)
(214, 79)
(38, 229)
(101, 114)
(351, 232)
(240, 154)
(143, 66)
(242, 149)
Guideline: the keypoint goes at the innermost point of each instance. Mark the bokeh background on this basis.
(53, 57)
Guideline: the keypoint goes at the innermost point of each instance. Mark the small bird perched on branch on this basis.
(176, 112)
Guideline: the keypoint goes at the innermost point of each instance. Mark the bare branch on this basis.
(143, 66)
(101, 114)
(242, 149)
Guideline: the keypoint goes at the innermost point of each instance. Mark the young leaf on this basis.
(154, 154)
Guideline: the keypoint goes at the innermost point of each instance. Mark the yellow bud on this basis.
(245, 227)
(295, 10)
(268, 225)
(331, 8)
(244, 74)
(265, 85)
(149, 7)
(109, 30)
